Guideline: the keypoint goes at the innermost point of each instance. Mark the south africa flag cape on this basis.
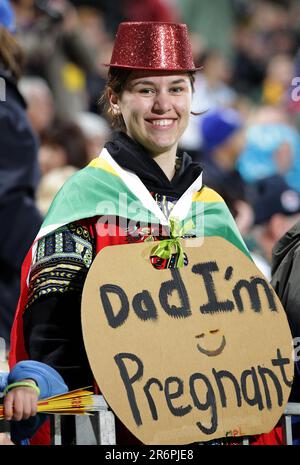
(104, 188)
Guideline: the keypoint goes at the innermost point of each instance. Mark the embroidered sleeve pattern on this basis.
(61, 262)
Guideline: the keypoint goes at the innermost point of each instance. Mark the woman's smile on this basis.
(162, 123)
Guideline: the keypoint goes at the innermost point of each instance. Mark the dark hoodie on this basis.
(132, 156)
(19, 217)
(285, 275)
(285, 280)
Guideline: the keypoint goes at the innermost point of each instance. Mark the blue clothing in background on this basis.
(7, 17)
(257, 161)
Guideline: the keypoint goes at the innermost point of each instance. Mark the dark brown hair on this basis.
(116, 81)
(68, 136)
(12, 56)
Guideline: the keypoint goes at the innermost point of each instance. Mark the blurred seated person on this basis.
(63, 144)
(56, 49)
(279, 75)
(40, 106)
(211, 92)
(96, 131)
(223, 140)
(50, 185)
(272, 147)
(276, 208)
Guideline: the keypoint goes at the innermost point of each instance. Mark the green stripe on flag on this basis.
(218, 221)
(93, 192)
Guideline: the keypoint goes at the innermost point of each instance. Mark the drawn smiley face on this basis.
(212, 352)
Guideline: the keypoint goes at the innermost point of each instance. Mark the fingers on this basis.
(8, 407)
(5, 441)
(20, 404)
(33, 406)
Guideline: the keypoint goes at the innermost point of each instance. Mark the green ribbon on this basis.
(166, 247)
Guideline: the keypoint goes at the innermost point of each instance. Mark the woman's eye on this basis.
(176, 90)
(147, 91)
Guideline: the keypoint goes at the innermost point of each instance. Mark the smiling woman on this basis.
(135, 191)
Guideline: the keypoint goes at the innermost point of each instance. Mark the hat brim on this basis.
(143, 68)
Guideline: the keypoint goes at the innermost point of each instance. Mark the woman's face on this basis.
(155, 107)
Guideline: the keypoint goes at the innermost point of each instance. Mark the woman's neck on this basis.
(166, 161)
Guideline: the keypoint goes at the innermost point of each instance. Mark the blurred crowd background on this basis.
(247, 94)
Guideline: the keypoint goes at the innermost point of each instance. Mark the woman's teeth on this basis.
(162, 122)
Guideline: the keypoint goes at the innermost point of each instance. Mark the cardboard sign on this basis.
(189, 354)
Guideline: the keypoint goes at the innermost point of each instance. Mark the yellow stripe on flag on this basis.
(103, 165)
(207, 195)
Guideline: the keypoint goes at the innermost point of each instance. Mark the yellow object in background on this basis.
(273, 92)
(73, 77)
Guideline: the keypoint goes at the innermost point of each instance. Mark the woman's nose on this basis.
(162, 103)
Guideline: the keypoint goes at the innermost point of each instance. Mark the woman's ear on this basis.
(114, 102)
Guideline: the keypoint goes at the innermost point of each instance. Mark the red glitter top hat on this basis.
(154, 46)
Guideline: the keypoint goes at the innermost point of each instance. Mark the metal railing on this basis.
(96, 429)
(291, 410)
(99, 428)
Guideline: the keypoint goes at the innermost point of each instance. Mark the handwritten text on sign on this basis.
(190, 354)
